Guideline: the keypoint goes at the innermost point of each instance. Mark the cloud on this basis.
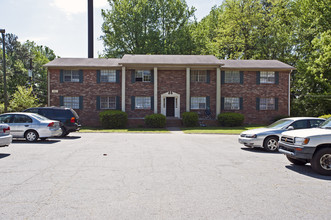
(71, 7)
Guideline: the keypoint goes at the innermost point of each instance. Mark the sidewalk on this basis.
(175, 130)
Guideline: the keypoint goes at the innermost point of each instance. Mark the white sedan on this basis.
(5, 137)
(30, 126)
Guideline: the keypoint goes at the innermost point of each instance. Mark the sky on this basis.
(62, 24)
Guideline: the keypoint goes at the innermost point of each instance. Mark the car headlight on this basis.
(301, 141)
(251, 135)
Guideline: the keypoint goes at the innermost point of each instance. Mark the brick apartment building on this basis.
(170, 85)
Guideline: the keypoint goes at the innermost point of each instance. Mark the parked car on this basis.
(309, 146)
(268, 137)
(5, 136)
(30, 126)
(68, 117)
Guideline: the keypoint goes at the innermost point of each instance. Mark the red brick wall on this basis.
(89, 89)
(175, 81)
(249, 91)
(137, 89)
(202, 89)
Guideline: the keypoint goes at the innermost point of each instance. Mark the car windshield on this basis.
(40, 117)
(280, 123)
(326, 124)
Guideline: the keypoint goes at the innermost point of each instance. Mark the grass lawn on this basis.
(219, 130)
(124, 130)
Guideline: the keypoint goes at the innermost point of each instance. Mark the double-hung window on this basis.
(267, 77)
(71, 75)
(143, 102)
(143, 76)
(108, 75)
(107, 102)
(199, 76)
(71, 102)
(231, 103)
(267, 104)
(198, 103)
(232, 77)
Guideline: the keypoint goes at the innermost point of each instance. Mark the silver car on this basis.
(5, 137)
(30, 126)
(268, 137)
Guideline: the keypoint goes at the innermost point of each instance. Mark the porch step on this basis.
(173, 122)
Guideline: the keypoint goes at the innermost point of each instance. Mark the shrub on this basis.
(155, 121)
(190, 119)
(113, 119)
(230, 119)
(325, 116)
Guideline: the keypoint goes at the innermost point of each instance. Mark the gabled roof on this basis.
(255, 64)
(192, 60)
(83, 62)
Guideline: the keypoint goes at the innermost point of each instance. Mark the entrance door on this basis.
(170, 107)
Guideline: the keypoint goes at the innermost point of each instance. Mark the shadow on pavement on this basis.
(4, 155)
(307, 171)
(67, 137)
(258, 150)
(22, 141)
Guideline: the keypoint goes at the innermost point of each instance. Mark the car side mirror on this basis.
(290, 128)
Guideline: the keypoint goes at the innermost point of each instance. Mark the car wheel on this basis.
(296, 161)
(321, 161)
(271, 144)
(63, 132)
(31, 136)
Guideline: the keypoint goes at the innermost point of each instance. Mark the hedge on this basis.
(155, 121)
(113, 119)
(230, 119)
(190, 119)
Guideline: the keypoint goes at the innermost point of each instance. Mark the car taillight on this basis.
(73, 120)
(6, 129)
(50, 124)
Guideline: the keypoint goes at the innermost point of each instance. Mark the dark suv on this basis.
(67, 116)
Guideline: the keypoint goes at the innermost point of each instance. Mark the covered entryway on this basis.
(170, 104)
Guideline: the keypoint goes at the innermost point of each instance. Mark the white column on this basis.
(218, 91)
(155, 90)
(123, 89)
(188, 95)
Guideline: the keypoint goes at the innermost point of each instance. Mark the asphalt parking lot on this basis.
(155, 176)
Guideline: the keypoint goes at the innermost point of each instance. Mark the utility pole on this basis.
(3, 31)
(90, 28)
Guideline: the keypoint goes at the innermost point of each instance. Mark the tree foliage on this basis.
(20, 57)
(22, 99)
(147, 27)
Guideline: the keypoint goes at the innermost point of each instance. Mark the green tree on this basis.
(22, 99)
(147, 27)
(19, 58)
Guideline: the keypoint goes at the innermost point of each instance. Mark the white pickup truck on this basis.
(309, 146)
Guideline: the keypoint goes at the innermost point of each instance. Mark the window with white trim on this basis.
(107, 102)
(71, 102)
(198, 103)
(267, 104)
(108, 76)
(143, 102)
(143, 76)
(231, 103)
(198, 75)
(71, 75)
(267, 77)
(232, 77)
